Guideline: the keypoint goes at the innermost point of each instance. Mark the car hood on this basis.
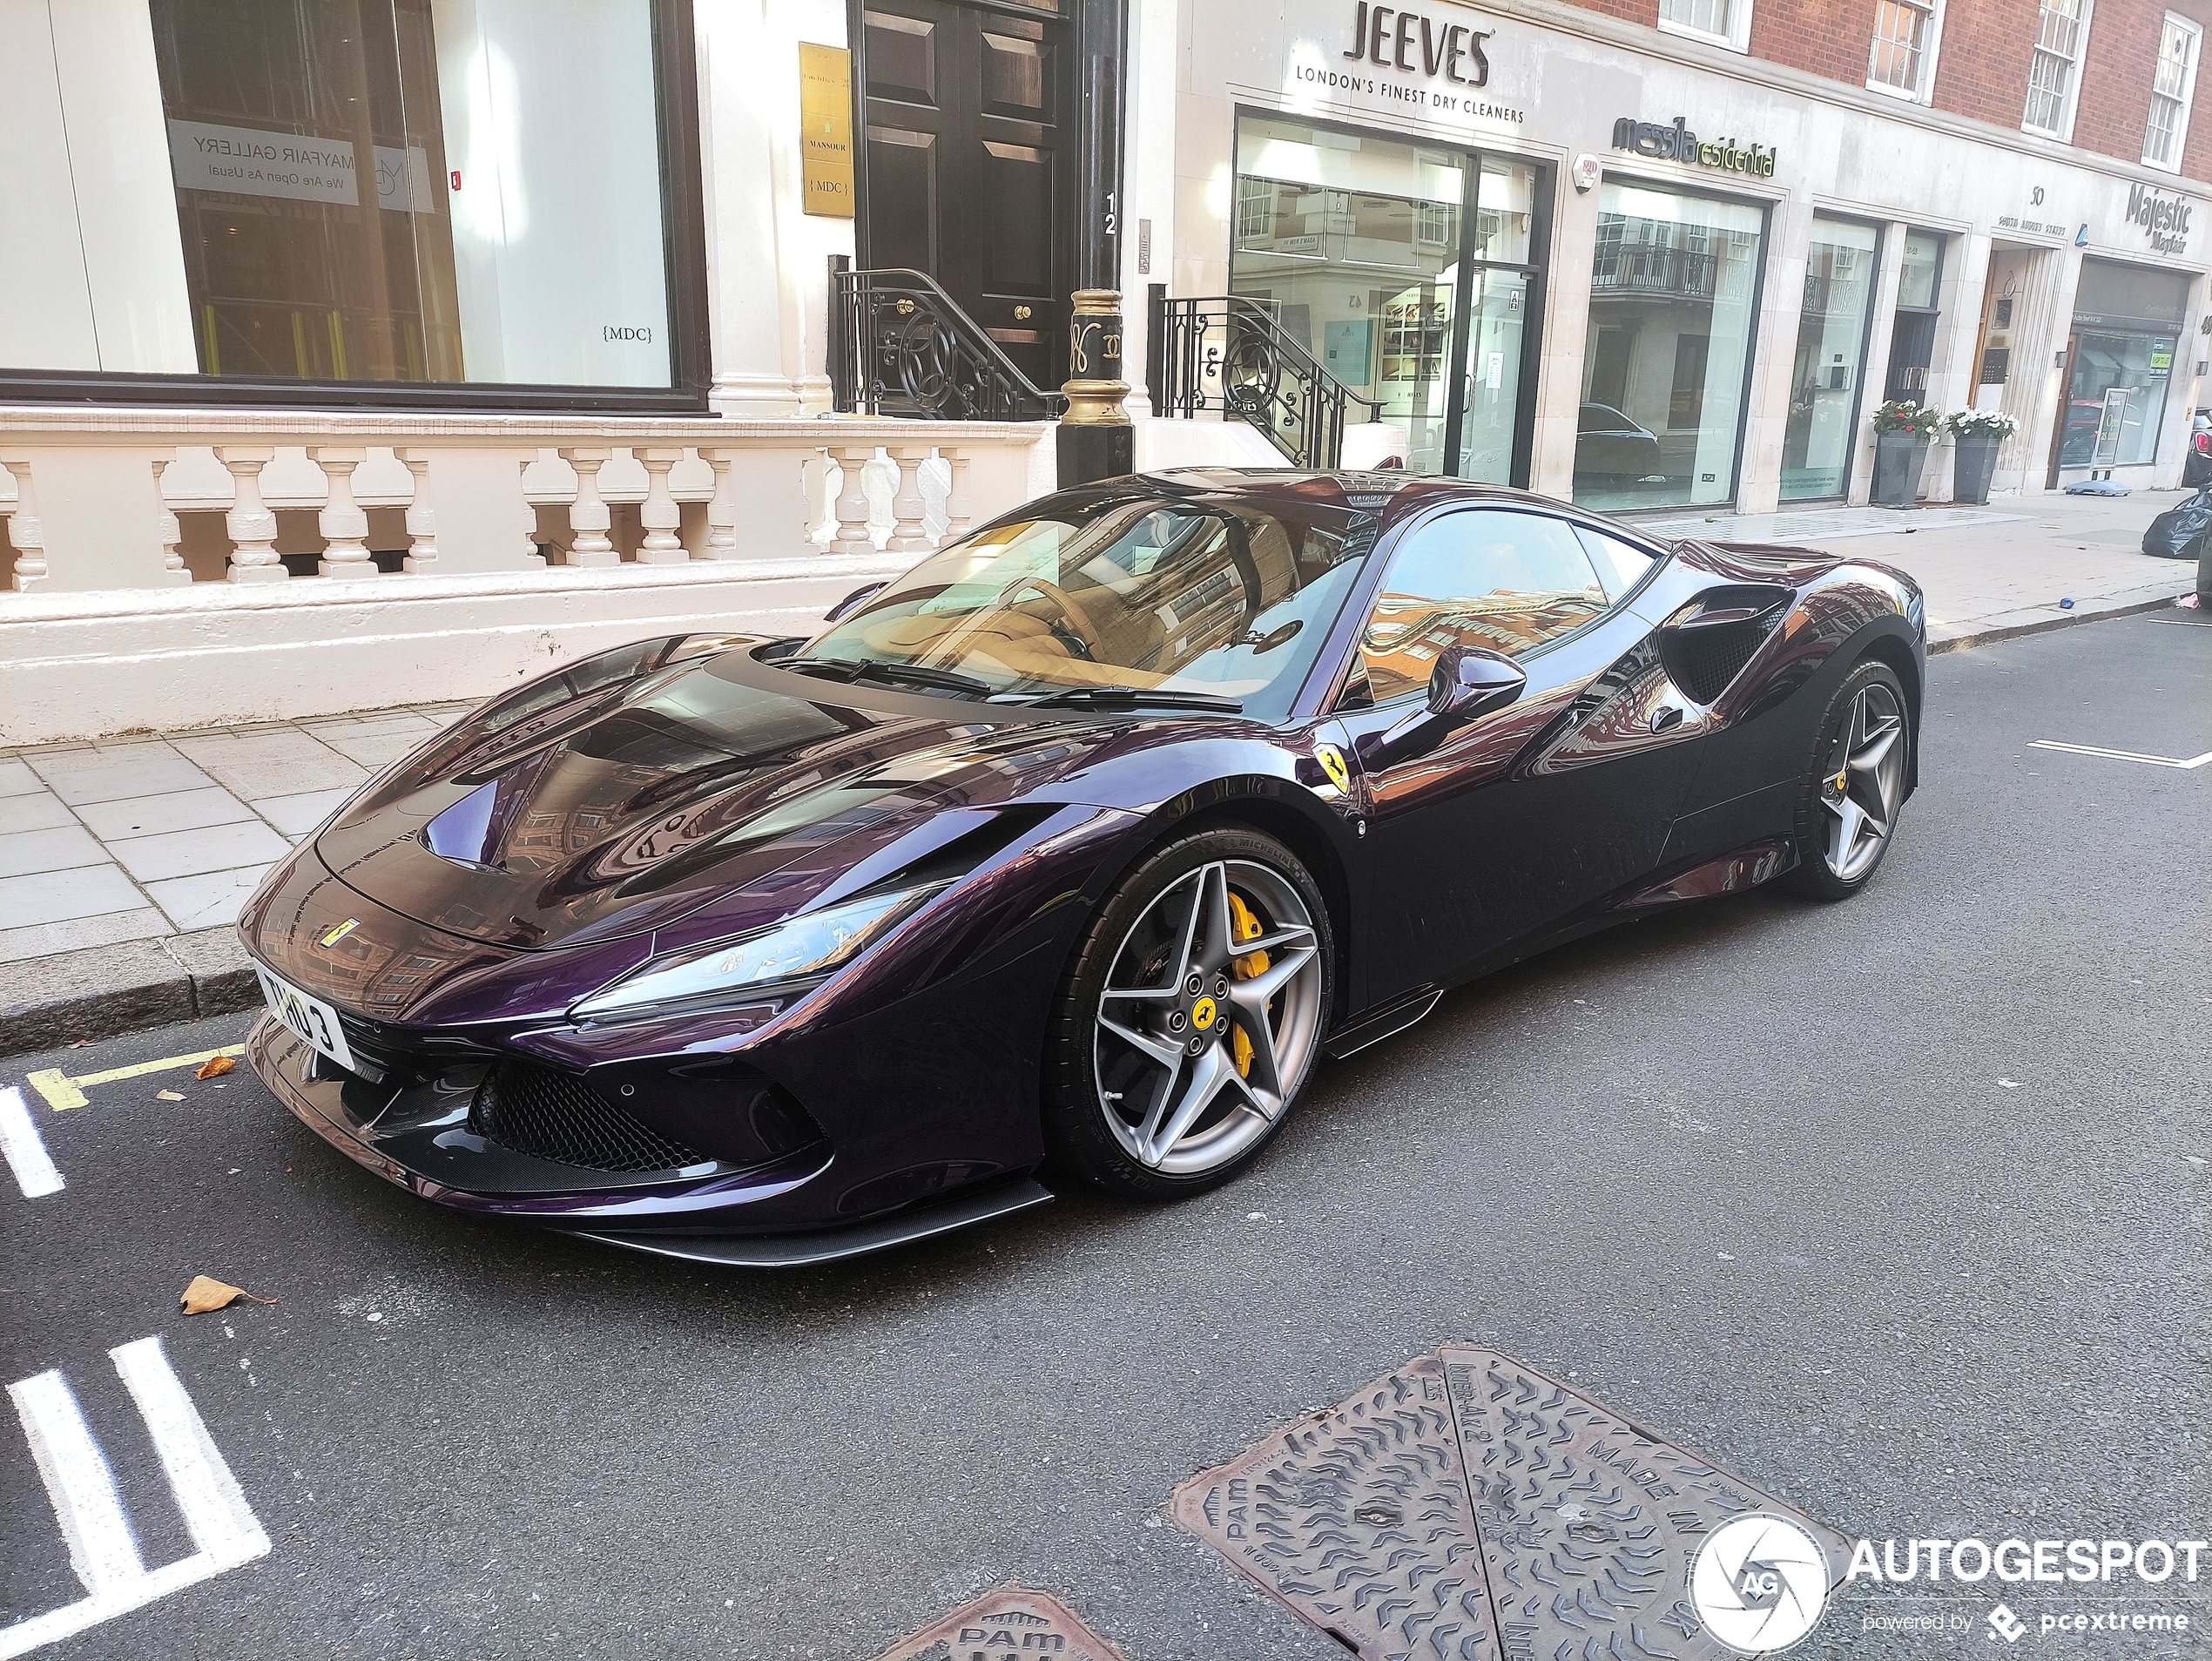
(620, 811)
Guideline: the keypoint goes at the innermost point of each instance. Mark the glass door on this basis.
(1817, 437)
(1490, 416)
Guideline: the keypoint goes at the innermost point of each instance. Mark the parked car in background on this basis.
(2196, 469)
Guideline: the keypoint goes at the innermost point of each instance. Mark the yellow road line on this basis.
(62, 1091)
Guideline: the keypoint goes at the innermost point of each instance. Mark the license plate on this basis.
(311, 1018)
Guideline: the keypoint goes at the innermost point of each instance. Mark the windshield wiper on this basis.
(1131, 697)
(863, 668)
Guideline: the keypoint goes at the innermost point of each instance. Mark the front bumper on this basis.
(417, 1135)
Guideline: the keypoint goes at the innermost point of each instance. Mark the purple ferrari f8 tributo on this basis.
(1071, 851)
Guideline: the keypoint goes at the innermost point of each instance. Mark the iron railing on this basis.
(901, 346)
(1231, 354)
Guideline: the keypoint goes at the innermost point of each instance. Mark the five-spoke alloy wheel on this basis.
(1191, 1017)
(1861, 761)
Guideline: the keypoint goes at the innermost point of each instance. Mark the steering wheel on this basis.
(1078, 620)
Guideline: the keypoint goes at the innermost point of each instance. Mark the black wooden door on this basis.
(969, 164)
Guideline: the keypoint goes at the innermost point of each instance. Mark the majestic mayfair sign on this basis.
(1678, 143)
(1385, 36)
(2165, 218)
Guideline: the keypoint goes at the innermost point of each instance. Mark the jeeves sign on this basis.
(1385, 36)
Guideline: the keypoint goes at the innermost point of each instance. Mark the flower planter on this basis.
(1972, 466)
(1898, 459)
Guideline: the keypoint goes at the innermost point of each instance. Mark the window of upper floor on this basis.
(2173, 89)
(1724, 22)
(1907, 34)
(2054, 71)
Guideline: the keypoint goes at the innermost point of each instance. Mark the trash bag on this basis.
(2179, 533)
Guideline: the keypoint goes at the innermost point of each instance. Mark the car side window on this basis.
(1621, 564)
(1507, 582)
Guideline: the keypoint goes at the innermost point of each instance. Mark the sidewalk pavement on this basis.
(124, 863)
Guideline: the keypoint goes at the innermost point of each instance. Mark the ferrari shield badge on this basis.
(1333, 764)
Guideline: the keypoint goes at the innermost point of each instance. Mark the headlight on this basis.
(807, 947)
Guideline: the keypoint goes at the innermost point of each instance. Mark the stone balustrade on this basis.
(165, 568)
(127, 499)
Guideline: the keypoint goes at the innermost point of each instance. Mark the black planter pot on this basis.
(1898, 461)
(1972, 466)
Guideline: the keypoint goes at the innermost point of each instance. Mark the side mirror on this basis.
(852, 602)
(1467, 682)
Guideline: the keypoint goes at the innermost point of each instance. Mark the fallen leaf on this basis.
(205, 1295)
(216, 1066)
(167, 1096)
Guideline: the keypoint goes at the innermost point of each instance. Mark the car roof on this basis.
(1390, 493)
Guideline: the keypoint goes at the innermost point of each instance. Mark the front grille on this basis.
(548, 1115)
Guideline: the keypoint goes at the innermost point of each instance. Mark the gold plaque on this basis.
(825, 128)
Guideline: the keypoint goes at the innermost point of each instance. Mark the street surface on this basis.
(1895, 1209)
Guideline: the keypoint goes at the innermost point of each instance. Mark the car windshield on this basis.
(1122, 596)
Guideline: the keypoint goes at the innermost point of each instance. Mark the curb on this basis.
(2044, 626)
(104, 991)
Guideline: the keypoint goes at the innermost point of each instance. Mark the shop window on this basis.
(1412, 268)
(1674, 301)
(1818, 436)
(396, 192)
(2173, 89)
(2054, 71)
(1726, 22)
(1906, 36)
(2116, 399)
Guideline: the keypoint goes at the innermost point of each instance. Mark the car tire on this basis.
(1854, 784)
(1145, 1023)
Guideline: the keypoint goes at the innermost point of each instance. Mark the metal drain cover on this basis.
(1468, 1508)
(1010, 1621)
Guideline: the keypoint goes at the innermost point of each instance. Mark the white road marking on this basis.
(222, 1524)
(77, 1480)
(2189, 765)
(25, 1148)
(101, 1547)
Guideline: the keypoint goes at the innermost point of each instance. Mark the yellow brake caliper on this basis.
(1244, 926)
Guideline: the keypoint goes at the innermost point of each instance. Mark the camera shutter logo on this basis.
(1760, 1583)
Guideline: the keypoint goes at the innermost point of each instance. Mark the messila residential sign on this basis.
(2164, 219)
(1678, 143)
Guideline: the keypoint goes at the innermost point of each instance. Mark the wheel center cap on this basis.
(1202, 1014)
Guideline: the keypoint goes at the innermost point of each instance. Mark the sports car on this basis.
(1063, 858)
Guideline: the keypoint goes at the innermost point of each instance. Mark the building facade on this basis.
(529, 313)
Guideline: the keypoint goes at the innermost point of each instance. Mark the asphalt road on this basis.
(1897, 1209)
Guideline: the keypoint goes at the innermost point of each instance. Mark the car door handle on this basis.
(1669, 716)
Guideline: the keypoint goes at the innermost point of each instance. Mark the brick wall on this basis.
(1982, 66)
(1830, 38)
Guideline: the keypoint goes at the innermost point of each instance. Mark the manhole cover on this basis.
(1010, 1621)
(1468, 1508)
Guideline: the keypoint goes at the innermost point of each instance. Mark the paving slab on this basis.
(27, 853)
(208, 900)
(75, 934)
(193, 853)
(55, 897)
(280, 761)
(297, 814)
(95, 775)
(178, 810)
(39, 809)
